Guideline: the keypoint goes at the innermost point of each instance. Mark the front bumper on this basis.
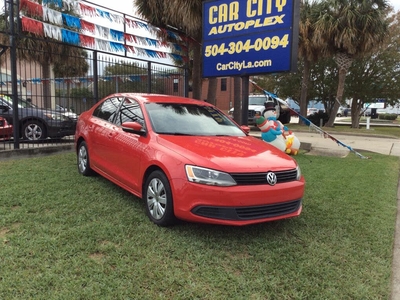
(237, 205)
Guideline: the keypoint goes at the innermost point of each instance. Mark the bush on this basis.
(315, 118)
(391, 117)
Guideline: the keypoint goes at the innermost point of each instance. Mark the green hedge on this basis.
(391, 117)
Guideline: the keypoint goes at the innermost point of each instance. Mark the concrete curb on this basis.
(34, 152)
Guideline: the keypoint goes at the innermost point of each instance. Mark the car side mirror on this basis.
(245, 128)
(133, 127)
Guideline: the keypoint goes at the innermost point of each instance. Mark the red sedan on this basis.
(187, 160)
(6, 129)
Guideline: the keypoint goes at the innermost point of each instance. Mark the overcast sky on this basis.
(395, 4)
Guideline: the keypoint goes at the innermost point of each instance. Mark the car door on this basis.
(128, 148)
(101, 132)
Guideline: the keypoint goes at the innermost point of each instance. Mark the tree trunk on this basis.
(339, 98)
(304, 90)
(344, 61)
(196, 75)
(356, 107)
(237, 97)
(212, 91)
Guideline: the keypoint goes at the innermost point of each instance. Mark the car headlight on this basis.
(57, 117)
(208, 176)
(298, 173)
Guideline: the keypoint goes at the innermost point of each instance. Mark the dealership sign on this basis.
(249, 37)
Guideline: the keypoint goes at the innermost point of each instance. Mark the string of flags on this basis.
(43, 21)
(121, 78)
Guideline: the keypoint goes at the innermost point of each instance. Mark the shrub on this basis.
(391, 117)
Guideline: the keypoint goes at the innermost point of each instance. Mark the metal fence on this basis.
(55, 82)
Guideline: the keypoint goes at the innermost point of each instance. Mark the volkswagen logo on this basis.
(271, 178)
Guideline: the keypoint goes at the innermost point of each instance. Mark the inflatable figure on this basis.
(275, 133)
(292, 144)
(271, 131)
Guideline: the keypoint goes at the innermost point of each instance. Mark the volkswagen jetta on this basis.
(187, 160)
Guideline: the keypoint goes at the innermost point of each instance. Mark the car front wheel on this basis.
(34, 131)
(157, 196)
(83, 160)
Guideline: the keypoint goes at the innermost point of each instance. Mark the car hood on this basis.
(231, 154)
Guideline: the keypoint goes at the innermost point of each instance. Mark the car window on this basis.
(190, 119)
(257, 100)
(130, 111)
(107, 109)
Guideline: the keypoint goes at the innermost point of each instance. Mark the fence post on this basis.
(245, 100)
(149, 77)
(95, 77)
(14, 87)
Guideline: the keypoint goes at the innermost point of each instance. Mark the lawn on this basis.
(64, 236)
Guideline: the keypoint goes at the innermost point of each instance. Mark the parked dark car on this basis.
(36, 123)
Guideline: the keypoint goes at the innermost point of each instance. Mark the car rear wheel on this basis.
(158, 199)
(34, 131)
(83, 160)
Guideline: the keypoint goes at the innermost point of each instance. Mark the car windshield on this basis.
(21, 102)
(190, 119)
(259, 100)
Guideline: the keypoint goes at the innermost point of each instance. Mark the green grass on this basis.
(64, 236)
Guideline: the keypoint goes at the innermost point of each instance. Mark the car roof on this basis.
(159, 98)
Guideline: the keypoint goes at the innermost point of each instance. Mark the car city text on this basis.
(254, 8)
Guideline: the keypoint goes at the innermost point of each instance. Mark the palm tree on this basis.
(186, 16)
(377, 75)
(346, 29)
(309, 52)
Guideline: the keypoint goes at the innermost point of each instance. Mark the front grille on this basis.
(251, 113)
(261, 178)
(248, 213)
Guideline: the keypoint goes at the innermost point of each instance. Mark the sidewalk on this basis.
(315, 142)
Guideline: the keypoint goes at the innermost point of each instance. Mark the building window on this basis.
(176, 82)
(223, 84)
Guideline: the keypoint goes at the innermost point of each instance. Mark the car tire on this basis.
(338, 115)
(33, 131)
(158, 200)
(83, 160)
